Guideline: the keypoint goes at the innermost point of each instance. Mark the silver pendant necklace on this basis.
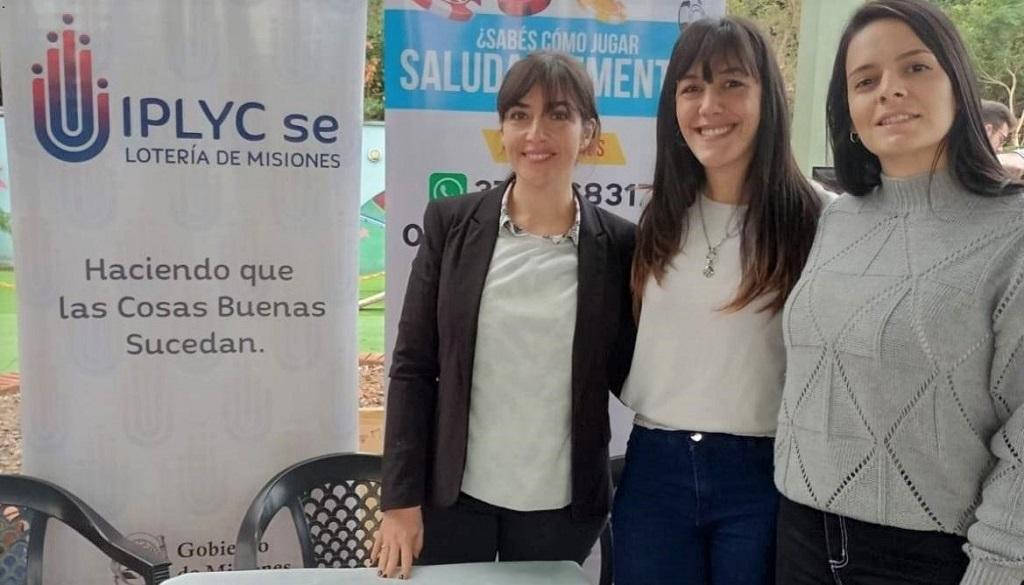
(712, 255)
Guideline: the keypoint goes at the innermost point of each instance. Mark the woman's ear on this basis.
(587, 141)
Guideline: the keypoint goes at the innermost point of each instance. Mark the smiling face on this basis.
(718, 118)
(900, 99)
(543, 137)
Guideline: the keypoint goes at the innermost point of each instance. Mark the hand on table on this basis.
(399, 541)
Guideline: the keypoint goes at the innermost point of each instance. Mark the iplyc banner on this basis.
(185, 179)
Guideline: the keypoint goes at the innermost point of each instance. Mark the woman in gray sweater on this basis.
(900, 443)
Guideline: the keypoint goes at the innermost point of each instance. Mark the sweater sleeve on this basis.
(996, 540)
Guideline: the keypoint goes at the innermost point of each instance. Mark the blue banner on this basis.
(432, 63)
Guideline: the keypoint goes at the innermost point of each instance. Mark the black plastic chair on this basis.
(334, 502)
(27, 503)
(617, 463)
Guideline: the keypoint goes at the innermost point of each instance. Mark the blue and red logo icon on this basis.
(71, 122)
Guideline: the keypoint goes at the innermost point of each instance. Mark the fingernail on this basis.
(380, 573)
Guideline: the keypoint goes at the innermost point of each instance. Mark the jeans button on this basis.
(696, 437)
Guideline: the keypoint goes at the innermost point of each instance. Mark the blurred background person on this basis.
(999, 126)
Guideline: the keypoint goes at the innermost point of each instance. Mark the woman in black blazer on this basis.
(515, 326)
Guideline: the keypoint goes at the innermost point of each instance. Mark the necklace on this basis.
(712, 255)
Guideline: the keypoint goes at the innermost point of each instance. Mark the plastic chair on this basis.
(334, 501)
(27, 503)
(617, 463)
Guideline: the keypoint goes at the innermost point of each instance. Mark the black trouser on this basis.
(817, 548)
(474, 531)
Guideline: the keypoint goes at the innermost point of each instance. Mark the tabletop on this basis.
(517, 573)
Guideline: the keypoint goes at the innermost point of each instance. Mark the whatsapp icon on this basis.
(443, 185)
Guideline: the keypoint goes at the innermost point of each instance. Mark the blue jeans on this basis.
(695, 509)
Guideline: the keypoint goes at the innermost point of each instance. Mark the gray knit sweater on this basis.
(904, 395)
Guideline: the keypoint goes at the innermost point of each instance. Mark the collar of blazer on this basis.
(489, 209)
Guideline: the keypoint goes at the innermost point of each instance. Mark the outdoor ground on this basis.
(10, 433)
(371, 367)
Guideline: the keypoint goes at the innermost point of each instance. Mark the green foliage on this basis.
(5, 222)
(993, 31)
(8, 323)
(373, 88)
(780, 20)
(371, 319)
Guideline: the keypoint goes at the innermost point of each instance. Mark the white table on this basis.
(532, 573)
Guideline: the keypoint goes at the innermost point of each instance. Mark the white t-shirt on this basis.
(519, 450)
(698, 368)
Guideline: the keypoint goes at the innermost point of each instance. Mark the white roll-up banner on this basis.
(444, 62)
(186, 193)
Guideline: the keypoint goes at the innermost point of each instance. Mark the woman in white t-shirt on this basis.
(720, 244)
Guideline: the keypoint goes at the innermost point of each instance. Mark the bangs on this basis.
(711, 42)
(558, 78)
(553, 85)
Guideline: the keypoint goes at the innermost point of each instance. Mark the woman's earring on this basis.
(854, 137)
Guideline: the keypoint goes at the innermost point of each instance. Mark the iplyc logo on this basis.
(69, 124)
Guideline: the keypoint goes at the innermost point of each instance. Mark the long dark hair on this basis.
(783, 209)
(971, 159)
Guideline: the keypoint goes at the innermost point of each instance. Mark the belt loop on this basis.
(836, 542)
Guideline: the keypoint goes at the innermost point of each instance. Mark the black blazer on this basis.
(432, 364)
